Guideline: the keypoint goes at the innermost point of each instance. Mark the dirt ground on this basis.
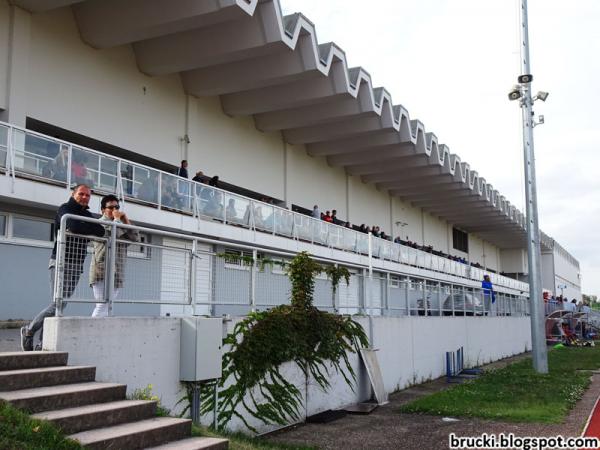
(385, 428)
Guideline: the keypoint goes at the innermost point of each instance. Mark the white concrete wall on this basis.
(548, 279)
(101, 93)
(513, 260)
(368, 205)
(140, 351)
(435, 232)
(233, 149)
(404, 212)
(310, 181)
(4, 37)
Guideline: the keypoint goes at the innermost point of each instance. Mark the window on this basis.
(2, 226)
(241, 259)
(460, 240)
(30, 228)
(140, 249)
(394, 281)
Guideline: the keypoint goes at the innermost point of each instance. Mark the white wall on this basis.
(4, 34)
(368, 205)
(312, 182)
(404, 212)
(513, 260)
(140, 351)
(101, 93)
(435, 232)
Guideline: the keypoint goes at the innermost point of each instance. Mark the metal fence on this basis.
(192, 275)
(30, 154)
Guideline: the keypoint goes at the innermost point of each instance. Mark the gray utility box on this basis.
(201, 340)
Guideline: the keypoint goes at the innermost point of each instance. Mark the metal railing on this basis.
(181, 270)
(30, 154)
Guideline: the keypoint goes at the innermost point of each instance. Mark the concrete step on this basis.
(11, 380)
(135, 435)
(66, 396)
(31, 360)
(195, 443)
(82, 418)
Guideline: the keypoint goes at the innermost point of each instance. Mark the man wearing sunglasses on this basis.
(111, 212)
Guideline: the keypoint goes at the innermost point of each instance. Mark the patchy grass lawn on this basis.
(516, 393)
(238, 441)
(19, 431)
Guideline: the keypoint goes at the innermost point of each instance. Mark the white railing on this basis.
(30, 154)
(185, 271)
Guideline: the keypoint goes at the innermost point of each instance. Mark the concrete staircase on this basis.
(93, 413)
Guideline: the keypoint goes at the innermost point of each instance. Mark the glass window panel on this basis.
(3, 145)
(2, 226)
(32, 229)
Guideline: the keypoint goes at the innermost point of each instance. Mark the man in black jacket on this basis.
(75, 253)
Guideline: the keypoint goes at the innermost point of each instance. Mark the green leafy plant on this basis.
(316, 341)
(147, 394)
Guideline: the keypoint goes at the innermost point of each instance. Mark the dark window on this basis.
(460, 240)
(35, 229)
(2, 226)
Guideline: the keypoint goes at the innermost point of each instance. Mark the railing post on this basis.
(192, 278)
(370, 248)
(335, 296)
(363, 298)
(253, 280)
(110, 269)
(59, 270)
(406, 299)
(69, 163)
(387, 294)
(159, 193)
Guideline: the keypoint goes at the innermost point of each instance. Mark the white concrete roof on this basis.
(271, 67)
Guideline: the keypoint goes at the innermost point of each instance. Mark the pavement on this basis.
(10, 340)
(386, 428)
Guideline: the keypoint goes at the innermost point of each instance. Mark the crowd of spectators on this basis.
(331, 216)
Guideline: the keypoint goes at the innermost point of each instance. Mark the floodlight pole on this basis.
(534, 256)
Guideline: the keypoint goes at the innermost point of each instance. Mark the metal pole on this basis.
(534, 257)
(110, 269)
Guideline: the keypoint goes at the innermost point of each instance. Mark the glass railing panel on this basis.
(176, 193)
(263, 216)
(237, 210)
(404, 254)
(395, 252)
(386, 249)
(96, 170)
(349, 239)
(284, 222)
(320, 231)
(210, 202)
(334, 237)
(420, 258)
(3, 146)
(140, 183)
(303, 227)
(362, 243)
(375, 247)
(33, 154)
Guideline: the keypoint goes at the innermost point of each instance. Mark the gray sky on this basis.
(451, 63)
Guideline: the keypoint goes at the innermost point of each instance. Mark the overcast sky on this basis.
(451, 63)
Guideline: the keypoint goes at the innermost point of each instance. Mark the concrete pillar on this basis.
(17, 67)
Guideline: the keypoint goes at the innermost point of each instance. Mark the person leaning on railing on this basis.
(75, 251)
(110, 208)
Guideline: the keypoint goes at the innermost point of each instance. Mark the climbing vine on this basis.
(316, 341)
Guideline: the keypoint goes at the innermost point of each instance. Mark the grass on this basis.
(19, 431)
(517, 393)
(239, 441)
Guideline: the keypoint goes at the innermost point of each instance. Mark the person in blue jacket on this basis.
(489, 296)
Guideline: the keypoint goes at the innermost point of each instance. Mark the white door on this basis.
(175, 278)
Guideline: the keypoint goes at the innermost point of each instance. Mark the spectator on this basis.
(109, 206)
(199, 177)
(57, 168)
(488, 289)
(79, 173)
(327, 217)
(182, 171)
(315, 212)
(334, 218)
(75, 253)
(214, 181)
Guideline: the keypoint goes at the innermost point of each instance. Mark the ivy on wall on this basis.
(316, 341)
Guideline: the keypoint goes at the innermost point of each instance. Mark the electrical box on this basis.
(200, 346)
